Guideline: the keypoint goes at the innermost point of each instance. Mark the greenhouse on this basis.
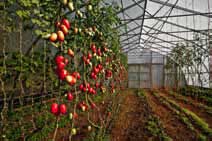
(106, 70)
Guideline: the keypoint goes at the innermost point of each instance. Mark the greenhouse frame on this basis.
(106, 70)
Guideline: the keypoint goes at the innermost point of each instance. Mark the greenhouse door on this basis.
(157, 76)
(146, 76)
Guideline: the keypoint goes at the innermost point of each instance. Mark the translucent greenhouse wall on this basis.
(147, 70)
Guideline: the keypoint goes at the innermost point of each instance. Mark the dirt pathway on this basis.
(130, 125)
(201, 113)
(173, 126)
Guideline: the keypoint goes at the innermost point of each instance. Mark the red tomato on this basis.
(99, 66)
(66, 23)
(93, 105)
(99, 53)
(59, 59)
(70, 96)
(62, 73)
(93, 47)
(55, 109)
(84, 89)
(81, 87)
(61, 65)
(97, 85)
(63, 109)
(84, 58)
(90, 90)
(89, 56)
(76, 75)
(96, 70)
(93, 75)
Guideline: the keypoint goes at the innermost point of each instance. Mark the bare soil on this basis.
(177, 130)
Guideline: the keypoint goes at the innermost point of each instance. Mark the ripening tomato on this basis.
(76, 75)
(83, 106)
(64, 29)
(75, 30)
(53, 37)
(66, 23)
(74, 80)
(105, 49)
(87, 61)
(71, 79)
(75, 115)
(66, 61)
(63, 109)
(60, 35)
(55, 109)
(70, 53)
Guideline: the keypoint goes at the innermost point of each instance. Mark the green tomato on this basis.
(73, 131)
(90, 7)
(71, 6)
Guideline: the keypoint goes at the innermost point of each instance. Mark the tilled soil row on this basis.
(174, 127)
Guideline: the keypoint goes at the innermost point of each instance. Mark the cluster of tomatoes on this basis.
(62, 73)
(63, 27)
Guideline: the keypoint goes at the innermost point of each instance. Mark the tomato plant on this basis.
(93, 57)
(77, 65)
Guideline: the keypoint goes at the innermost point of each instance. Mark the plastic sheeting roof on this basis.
(160, 24)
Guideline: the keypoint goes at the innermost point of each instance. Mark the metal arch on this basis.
(176, 37)
(130, 6)
(180, 8)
